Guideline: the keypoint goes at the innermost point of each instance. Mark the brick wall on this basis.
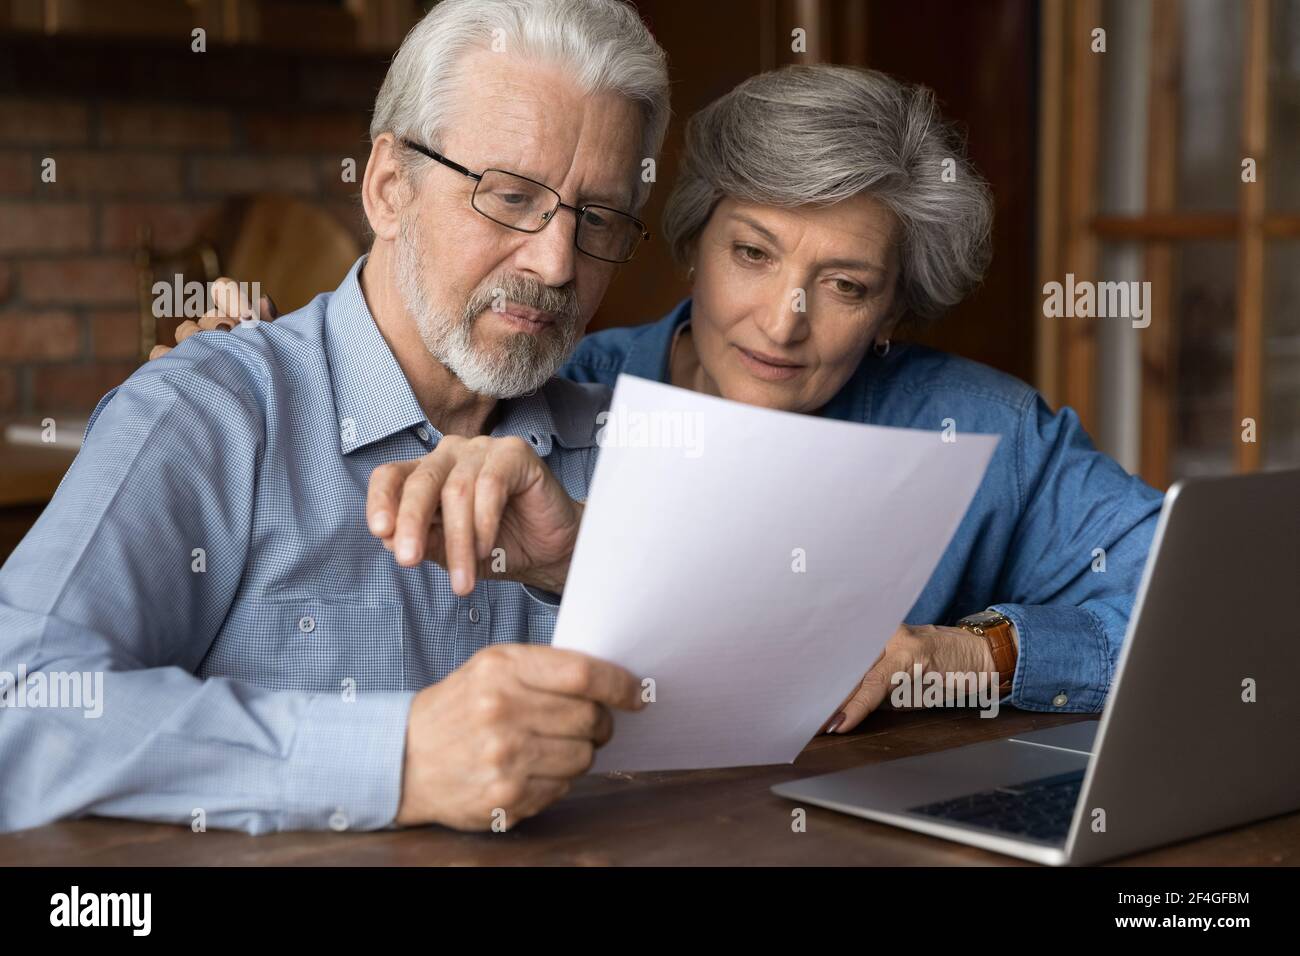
(144, 134)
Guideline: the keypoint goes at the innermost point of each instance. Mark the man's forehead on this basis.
(531, 119)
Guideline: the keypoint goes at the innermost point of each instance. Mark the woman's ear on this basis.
(692, 251)
(888, 324)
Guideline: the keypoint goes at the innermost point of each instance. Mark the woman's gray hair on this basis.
(821, 134)
(602, 44)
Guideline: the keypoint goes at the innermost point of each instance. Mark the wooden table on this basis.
(712, 817)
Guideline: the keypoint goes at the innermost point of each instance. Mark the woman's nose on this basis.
(786, 320)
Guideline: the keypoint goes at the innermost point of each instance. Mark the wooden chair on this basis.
(293, 248)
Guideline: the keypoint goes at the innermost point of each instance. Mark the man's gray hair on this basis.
(602, 45)
(820, 134)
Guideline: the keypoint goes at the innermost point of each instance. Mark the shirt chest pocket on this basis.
(311, 645)
(541, 625)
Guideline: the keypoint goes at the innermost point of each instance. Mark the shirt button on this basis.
(423, 433)
(473, 615)
(1060, 700)
(306, 624)
(338, 820)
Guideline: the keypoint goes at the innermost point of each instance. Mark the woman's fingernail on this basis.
(459, 580)
(380, 523)
(406, 550)
(835, 722)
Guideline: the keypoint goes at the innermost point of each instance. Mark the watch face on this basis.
(983, 618)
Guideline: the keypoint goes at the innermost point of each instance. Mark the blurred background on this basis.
(1121, 163)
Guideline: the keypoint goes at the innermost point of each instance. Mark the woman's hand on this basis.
(468, 498)
(226, 312)
(941, 649)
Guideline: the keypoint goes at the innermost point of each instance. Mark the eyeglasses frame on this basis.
(578, 211)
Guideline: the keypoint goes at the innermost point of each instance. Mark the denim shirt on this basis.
(1056, 537)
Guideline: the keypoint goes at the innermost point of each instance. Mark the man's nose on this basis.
(550, 254)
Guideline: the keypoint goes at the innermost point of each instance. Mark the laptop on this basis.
(1199, 732)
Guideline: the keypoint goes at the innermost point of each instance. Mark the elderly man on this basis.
(266, 665)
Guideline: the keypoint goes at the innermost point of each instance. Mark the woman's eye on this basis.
(751, 253)
(851, 289)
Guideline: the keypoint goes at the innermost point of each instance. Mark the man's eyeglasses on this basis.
(526, 205)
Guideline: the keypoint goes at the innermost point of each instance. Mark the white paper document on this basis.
(752, 564)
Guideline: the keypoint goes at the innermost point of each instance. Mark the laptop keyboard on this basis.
(1037, 809)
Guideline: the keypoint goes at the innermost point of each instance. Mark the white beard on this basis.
(521, 365)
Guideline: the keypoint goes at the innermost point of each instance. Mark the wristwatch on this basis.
(995, 628)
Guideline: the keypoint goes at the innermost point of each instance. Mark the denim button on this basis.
(306, 625)
(1060, 700)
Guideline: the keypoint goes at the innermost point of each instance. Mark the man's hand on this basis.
(226, 313)
(506, 733)
(468, 497)
(942, 649)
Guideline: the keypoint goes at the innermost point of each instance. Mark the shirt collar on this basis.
(374, 400)
(560, 411)
(371, 394)
(650, 351)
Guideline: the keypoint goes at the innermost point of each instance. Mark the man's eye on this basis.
(595, 220)
(512, 199)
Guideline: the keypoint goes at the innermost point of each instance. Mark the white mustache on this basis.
(559, 304)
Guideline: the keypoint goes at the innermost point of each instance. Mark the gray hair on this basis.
(821, 134)
(602, 43)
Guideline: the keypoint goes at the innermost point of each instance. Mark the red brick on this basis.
(347, 133)
(84, 280)
(44, 336)
(75, 388)
(17, 173)
(155, 124)
(115, 334)
(251, 174)
(86, 173)
(43, 122)
(45, 227)
(8, 391)
(173, 225)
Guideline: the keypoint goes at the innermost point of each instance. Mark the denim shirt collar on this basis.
(649, 354)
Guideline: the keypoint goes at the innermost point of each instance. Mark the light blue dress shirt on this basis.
(1056, 537)
(207, 552)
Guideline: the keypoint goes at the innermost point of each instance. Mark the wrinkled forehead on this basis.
(533, 118)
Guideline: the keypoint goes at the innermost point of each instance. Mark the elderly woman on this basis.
(820, 211)
(831, 180)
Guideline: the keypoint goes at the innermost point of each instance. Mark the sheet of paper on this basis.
(752, 564)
